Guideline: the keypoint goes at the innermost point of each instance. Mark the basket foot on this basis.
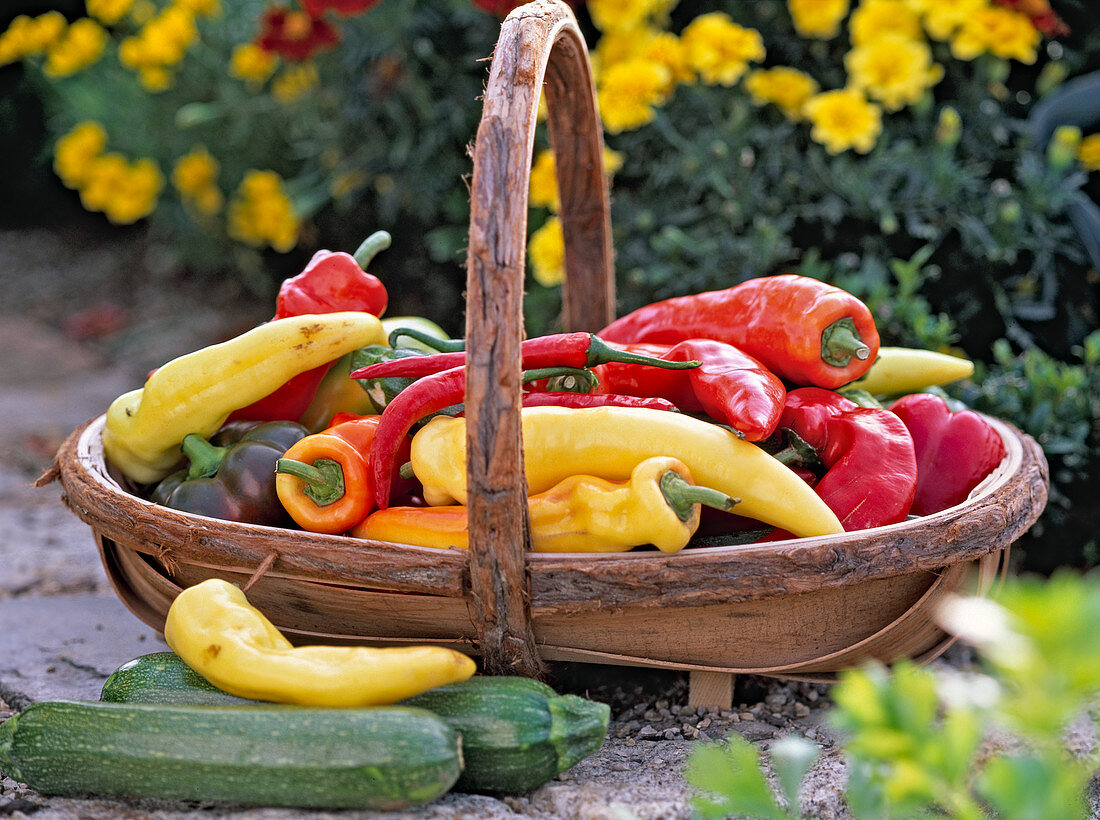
(710, 689)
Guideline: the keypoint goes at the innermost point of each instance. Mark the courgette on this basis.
(273, 755)
(163, 677)
(516, 733)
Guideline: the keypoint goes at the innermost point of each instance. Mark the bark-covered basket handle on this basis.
(540, 47)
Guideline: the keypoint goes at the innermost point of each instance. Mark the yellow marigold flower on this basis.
(546, 253)
(665, 48)
(619, 14)
(202, 8)
(718, 49)
(80, 46)
(543, 191)
(125, 192)
(628, 92)
(171, 33)
(252, 64)
(999, 31)
(893, 70)
(27, 36)
(612, 161)
(844, 119)
(261, 213)
(143, 11)
(873, 18)
(785, 87)
(195, 171)
(155, 79)
(819, 19)
(74, 152)
(1088, 152)
(108, 12)
(943, 17)
(294, 82)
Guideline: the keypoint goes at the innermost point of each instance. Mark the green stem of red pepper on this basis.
(840, 341)
(434, 342)
(370, 248)
(324, 479)
(563, 349)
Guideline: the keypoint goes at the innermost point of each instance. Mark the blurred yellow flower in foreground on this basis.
(787, 88)
(1088, 152)
(893, 70)
(108, 12)
(75, 151)
(546, 253)
(294, 82)
(998, 31)
(718, 49)
(623, 14)
(844, 119)
(818, 19)
(942, 18)
(27, 36)
(261, 212)
(628, 92)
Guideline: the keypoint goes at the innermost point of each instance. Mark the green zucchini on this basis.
(517, 733)
(164, 677)
(370, 758)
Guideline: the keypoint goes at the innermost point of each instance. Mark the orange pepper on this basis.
(323, 480)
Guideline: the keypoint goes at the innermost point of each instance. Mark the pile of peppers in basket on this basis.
(764, 411)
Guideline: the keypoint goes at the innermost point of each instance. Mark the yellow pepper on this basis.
(900, 370)
(219, 634)
(195, 393)
(583, 513)
(610, 441)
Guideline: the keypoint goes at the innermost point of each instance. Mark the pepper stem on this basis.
(377, 241)
(434, 342)
(206, 458)
(798, 452)
(584, 377)
(840, 341)
(324, 479)
(682, 495)
(600, 352)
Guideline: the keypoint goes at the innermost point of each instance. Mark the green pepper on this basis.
(232, 476)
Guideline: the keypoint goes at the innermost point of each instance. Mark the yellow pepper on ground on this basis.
(220, 635)
(899, 370)
(610, 441)
(195, 393)
(659, 505)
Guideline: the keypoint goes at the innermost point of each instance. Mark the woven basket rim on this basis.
(999, 509)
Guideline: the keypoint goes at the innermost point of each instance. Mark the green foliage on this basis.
(915, 739)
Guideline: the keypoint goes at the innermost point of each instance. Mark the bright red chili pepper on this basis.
(870, 467)
(556, 350)
(295, 35)
(437, 391)
(803, 330)
(344, 8)
(729, 386)
(954, 450)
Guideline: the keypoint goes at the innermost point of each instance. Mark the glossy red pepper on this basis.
(330, 283)
(870, 469)
(556, 350)
(731, 387)
(803, 330)
(954, 450)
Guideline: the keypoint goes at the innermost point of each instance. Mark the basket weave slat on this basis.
(799, 608)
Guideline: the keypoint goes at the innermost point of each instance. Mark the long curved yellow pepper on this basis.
(610, 441)
(659, 505)
(195, 393)
(219, 634)
(899, 370)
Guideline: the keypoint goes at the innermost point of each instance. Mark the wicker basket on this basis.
(803, 607)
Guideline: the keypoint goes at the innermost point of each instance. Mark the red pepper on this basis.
(335, 281)
(330, 283)
(870, 467)
(803, 330)
(561, 398)
(729, 386)
(556, 350)
(955, 450)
